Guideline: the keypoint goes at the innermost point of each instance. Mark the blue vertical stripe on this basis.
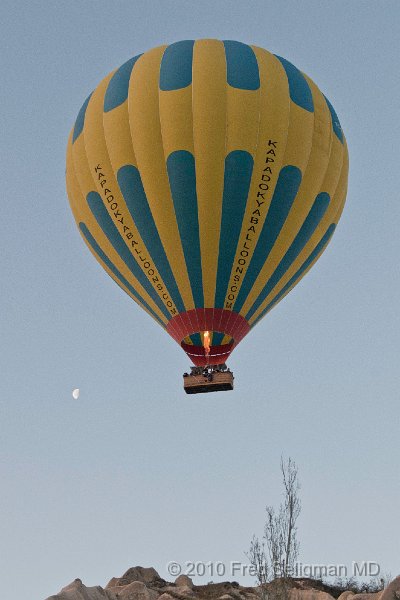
(131, 186)
(285, 193)
(182, 180)
(241, 66)
(196, 339)
(118, 86)
(176, 66)
(237, 177)
(299, 89)
(102, 256)
(317, 250)
(80, 119)
(114, 237)
(217, 338)
(312, 221)
(337, 128)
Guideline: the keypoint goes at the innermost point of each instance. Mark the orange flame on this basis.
(206, 342)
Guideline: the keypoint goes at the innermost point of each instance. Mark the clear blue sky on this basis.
(135, 472)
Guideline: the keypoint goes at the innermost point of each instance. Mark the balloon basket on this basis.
(212, 378)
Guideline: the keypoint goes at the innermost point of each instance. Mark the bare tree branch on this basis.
(275, 556)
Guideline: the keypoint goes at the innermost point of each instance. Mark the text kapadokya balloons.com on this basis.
(207, 178)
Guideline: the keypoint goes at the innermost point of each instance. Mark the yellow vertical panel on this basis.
(334, 170)
(107, 185)
(176, 120)
(209, 134)
(315, 156)
(340, 202)
(313, 177)
(272, 137)
(73, 190)
(323, 132)
(144, 120)
(300, 137)
(117, 134)
(332, 215)
(82, 213)
(242, 119)
(341, 191)
(297, 153)
(81, 166)
(86, 184)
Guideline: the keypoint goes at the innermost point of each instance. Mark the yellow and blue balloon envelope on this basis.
(207, 177)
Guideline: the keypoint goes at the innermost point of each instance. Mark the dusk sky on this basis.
(135, 472)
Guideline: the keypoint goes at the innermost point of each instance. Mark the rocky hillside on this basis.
(139, 583)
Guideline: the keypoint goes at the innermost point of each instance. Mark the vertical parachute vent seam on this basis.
(237, 178)
(131, 186)
(101, 254)
(182, 180)
(312, 221)
(111, 232)
(285, 193)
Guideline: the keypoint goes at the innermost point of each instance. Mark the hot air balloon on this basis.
(207, 177)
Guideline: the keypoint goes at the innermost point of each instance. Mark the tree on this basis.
(274, 557)
(259, 561)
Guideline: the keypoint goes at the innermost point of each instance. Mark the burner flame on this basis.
(206, 342)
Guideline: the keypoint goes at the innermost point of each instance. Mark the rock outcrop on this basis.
(146, 575)
(366, 596)
(184, 581)
(296, 594)
(139, 583)
(77, 591)
(347, 595)
(392, 592)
